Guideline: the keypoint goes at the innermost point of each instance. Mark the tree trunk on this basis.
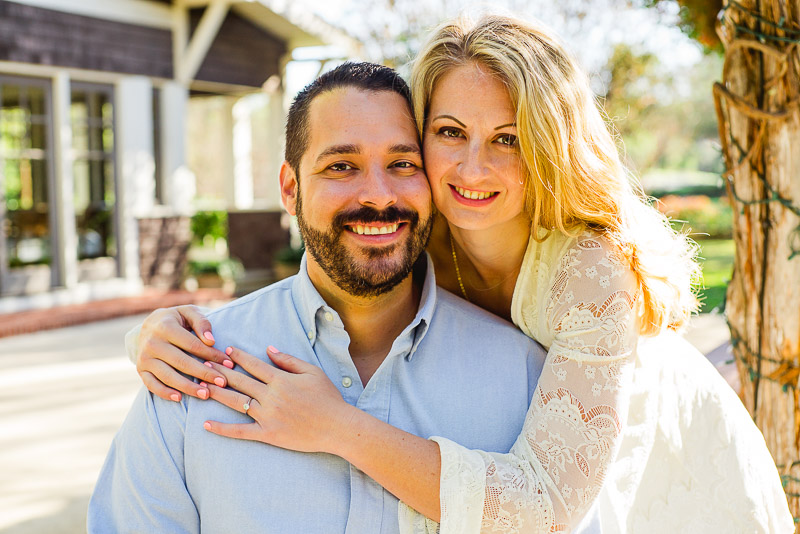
(759, 123)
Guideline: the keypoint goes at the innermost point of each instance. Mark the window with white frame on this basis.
(92, 119)
(26, 210)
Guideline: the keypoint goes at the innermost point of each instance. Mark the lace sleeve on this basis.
(554, 471)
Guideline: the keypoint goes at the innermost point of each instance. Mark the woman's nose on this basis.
(473, 164)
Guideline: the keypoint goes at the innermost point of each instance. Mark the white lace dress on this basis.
(647, 427)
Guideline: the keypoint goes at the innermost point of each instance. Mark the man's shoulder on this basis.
(473, 320)
(278, 293)
(470, 334)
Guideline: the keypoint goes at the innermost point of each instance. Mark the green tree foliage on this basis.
(664, 121)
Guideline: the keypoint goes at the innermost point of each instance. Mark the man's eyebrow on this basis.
(339, 149)
(451, 118)
(405, 149)
(506, 125)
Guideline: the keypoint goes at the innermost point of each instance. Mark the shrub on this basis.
(210, 225)
(227, 269)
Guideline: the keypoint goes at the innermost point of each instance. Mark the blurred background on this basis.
(140, 142)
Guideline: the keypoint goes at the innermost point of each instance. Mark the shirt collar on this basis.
(307, 301)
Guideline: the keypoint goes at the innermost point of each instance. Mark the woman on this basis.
(544, 228)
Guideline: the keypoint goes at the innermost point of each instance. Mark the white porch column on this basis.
(242, 138)
(133, 104)
(66, 253)
(275, 145)
(225, 150)
(179, 185)
(235, 154)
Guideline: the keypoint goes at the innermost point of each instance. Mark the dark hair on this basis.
(366, 76)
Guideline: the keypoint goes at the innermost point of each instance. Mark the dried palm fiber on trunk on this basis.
(758, 108)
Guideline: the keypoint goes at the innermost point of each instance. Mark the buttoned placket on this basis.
(330, 343)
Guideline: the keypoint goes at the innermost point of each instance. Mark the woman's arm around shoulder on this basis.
(161, 346)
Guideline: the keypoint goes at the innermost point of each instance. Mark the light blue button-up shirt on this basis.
(165, 473)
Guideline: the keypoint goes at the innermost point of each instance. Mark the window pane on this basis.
(10, 96)
(38, 136)
(108, 139)
(78, 111)
(27, 210)
(40, 191)
(107, 112)
(12, 183)
(95, 201)
(80, 175)
(110, 194)
(80, 137)
(24, 145)
(36, 97)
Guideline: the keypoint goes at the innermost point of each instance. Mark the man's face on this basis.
(363, 202)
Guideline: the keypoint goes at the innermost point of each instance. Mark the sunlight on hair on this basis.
(574, 177)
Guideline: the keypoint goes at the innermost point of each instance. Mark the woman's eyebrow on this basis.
(506, 125)
(451, 118)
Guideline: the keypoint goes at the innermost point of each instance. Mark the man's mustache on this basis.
(365, 214)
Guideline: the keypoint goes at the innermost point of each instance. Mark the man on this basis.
(362, 308)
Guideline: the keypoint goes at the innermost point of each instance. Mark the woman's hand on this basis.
(168, 332)
(294, 406)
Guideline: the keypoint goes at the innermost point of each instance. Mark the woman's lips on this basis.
(471, 197)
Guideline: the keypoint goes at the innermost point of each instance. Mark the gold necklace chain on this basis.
(458, 271)
(461, 281)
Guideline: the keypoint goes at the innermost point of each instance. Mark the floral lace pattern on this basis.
(555, 470)
(686, 454)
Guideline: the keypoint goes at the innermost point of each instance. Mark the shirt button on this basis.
(310, 334)
(328, 316)
(347, 381)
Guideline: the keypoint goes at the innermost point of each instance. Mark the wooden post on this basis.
(758, 107)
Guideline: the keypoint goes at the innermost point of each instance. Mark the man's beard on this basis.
(381, 272)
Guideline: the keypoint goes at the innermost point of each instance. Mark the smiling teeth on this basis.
(374, 230)
(473, 195)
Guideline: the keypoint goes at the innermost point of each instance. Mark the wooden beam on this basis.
(194, 54)
(150, 14)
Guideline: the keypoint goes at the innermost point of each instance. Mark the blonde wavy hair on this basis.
(574, 178)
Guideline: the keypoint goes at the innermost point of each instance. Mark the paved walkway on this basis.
(30, 321)
(65, 392)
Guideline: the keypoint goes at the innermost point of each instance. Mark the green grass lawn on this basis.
(716, 259)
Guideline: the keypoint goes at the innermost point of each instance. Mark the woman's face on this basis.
(471, 152)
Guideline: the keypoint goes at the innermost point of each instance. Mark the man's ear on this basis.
(288, 180)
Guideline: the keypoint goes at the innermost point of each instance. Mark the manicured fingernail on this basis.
(228, 351)
(175, 397)
(203, 384)
(228, 364)
(209, 336)
(207, 364)
(207, 425)
(220, 381)
(203, 393)
(272, 349)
